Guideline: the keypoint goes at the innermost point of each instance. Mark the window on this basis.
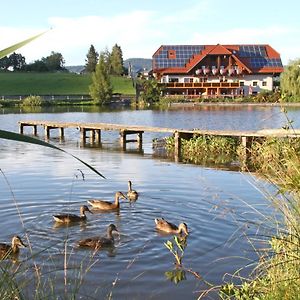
(254, 83)
(264, 83)
(171, 54)
(242, 83)
(173, 80)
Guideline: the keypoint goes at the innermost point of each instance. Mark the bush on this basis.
(32, 101)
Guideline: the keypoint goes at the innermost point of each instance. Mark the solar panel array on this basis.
(265, 62)
(183, 54)
(252, 51)
(258, 57)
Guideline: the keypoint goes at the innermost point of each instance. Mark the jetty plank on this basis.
(94, 129)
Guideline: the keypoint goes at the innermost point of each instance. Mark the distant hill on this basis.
(138, 64)
(75, 69)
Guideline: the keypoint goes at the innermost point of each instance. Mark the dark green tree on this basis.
(36, 66)
(17, 61)
(54, 62)
(4, 63)
(148, 90)
(116, 60)
(91, 60)
(290, 81)
(14, 61)
(107, 59)
(101, 88)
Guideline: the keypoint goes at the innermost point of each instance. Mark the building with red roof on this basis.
(216, 70)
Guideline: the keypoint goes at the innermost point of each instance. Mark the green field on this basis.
(17, 83)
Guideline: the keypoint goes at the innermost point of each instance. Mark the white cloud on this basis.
(280, 38)
(73, 36)
(141, 32)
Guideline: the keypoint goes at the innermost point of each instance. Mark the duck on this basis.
(167, 227)
(13, 249)
(100, 242)
(106, 205)
(131, 194)
(71, 218)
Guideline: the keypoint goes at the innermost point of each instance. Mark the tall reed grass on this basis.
(277, 273)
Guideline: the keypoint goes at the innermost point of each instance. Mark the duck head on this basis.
(183, 228)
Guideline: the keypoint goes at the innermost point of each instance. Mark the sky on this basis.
(140, 27)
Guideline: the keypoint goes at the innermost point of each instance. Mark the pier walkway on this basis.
(93, 131)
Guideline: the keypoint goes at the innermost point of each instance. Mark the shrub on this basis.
(32, 101)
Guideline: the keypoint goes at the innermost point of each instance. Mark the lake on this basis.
(221, 207)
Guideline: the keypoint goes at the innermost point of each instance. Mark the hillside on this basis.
(17, 83)
(138, 64)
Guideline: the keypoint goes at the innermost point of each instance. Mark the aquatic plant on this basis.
(32, 101)
(206, 149)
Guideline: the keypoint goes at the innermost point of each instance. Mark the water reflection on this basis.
(215, 204)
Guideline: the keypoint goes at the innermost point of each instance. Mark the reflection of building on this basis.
(216, 70)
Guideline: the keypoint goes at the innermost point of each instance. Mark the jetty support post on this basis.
(82, 135)
(98, 136)
(47, 129)
(124, 140)
(178, 136)
(22, 125)
(21, 128)
(246, 142)
(61, 133)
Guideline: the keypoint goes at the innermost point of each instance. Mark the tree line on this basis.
(56, 62)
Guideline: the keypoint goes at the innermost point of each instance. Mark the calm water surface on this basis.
(217, 205)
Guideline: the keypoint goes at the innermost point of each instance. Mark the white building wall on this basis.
(263, 81)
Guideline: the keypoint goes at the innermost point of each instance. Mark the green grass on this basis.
(12, 83)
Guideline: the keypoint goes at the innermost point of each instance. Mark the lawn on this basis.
(15, 83)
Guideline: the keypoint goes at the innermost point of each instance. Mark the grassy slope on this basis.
(55, 84)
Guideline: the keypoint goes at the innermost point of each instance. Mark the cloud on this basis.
(73, 36)
(141, 32)
(280, 38)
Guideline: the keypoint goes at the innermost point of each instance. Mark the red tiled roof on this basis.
(255, 58)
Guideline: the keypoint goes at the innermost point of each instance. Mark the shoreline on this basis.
(192, 104)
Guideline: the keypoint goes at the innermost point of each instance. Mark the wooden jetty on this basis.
(93, 131)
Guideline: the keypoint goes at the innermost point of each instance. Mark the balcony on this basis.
(194, 85)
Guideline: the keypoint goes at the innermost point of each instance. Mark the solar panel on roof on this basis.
(183, 54)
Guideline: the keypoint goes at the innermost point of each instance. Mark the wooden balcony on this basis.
(194, 85)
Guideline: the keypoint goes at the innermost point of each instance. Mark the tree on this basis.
(14, 61)
(116, 60)
(4, 63)
(54, 62)
(17, 61)
(290, 80)
(148, 90)
(107, 59)
(101, 88)
(91, 60)
(36, 66)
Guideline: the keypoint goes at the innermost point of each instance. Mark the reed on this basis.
(206, 150)
(277, 273)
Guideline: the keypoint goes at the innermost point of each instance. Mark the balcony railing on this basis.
(201, 85)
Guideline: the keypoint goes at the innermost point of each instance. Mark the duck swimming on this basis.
(131, 194)
(106, 205)
(70, 218)
(100, 242)
(165, 226)
(13, 249)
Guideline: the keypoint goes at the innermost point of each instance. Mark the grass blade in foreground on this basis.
(14, 47)
(8, 135)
